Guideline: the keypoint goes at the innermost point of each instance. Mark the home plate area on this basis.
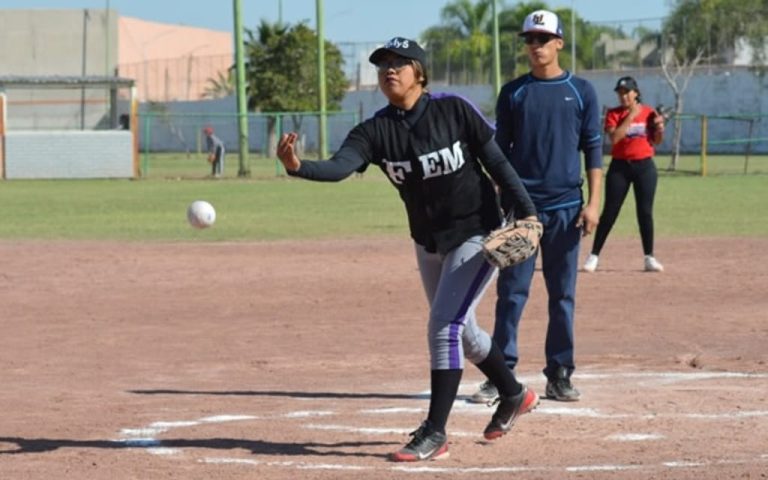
(629, 424)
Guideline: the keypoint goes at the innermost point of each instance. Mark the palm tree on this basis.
(223, 85)
(463, 39)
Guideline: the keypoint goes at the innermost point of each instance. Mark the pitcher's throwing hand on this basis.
(287, 153)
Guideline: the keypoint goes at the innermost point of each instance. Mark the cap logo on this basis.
(538, 19)
(398, 43)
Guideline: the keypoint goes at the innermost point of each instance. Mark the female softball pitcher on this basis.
(433, 148)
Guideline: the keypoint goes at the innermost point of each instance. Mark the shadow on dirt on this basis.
(277, 393)
(256, 447)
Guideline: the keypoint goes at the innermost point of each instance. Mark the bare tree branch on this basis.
(680, 68)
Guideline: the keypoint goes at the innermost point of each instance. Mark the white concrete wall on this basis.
(68, 154)
(51, 42)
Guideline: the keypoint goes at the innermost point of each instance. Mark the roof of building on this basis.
(63, 81)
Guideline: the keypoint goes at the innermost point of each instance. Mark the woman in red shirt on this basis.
(634, 129)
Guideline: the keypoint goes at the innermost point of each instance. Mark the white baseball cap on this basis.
(543, 21)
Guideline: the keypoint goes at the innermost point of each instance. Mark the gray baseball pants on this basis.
(454, 284)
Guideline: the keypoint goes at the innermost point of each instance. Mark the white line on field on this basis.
(634, 437)
(307, 413)
(602, 468)
(671, 375)
(683, 464)
(163, 451)
(227, 418)
(299, 465)
(429, 469)
(726, 416)
(244, 461)
(378, 431)
(416, 469)
(386, 411)
(141, 432)
(163, 426)
(145, 437)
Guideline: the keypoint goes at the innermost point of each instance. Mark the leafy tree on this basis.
(282, 76)
(715, 26)
(463, 38)
(711, 30)
(440, 42)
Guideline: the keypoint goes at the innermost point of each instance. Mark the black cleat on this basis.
(426, 444)
(507, 412)
(560, 388)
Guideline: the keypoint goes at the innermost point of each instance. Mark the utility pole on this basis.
(84, 67)
(242, 105)
(573, 38)
(322, 145)
(496, 54)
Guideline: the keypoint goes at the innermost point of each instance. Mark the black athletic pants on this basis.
(621, 174)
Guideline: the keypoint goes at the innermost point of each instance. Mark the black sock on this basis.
(445, 385)
(499, 373)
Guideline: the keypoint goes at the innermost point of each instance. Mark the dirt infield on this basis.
(308, 360)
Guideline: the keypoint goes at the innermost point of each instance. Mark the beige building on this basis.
(168, 62)
(171, 62)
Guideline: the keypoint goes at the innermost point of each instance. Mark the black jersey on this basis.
(431, 154)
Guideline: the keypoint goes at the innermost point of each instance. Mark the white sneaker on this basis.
(653, 265)
(591, 264)
(486, 393)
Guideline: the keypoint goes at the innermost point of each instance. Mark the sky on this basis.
(344, 20)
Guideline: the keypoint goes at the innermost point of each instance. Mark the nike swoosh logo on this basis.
(568, 99)
(423, 456)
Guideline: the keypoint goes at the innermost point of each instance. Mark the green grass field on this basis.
(271, 206)
(195, 166)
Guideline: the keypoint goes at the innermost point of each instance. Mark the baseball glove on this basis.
(512, 243)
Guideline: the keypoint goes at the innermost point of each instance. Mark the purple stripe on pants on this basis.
(454, 358)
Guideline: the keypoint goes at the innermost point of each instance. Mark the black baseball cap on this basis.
(627, 83)
(400, 46)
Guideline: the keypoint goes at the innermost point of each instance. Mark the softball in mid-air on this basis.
(201, 214)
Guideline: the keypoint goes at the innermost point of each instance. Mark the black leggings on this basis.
(622, 173)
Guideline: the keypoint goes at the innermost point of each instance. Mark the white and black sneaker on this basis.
(487, 393)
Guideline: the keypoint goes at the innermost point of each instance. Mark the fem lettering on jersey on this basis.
(396, 170)
(433, 164)
(442, 162)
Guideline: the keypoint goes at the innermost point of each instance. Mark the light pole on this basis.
(107, 27)
(244, 169)
(84, 66)
(573, 38)
(322, 146)
(496, 49)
